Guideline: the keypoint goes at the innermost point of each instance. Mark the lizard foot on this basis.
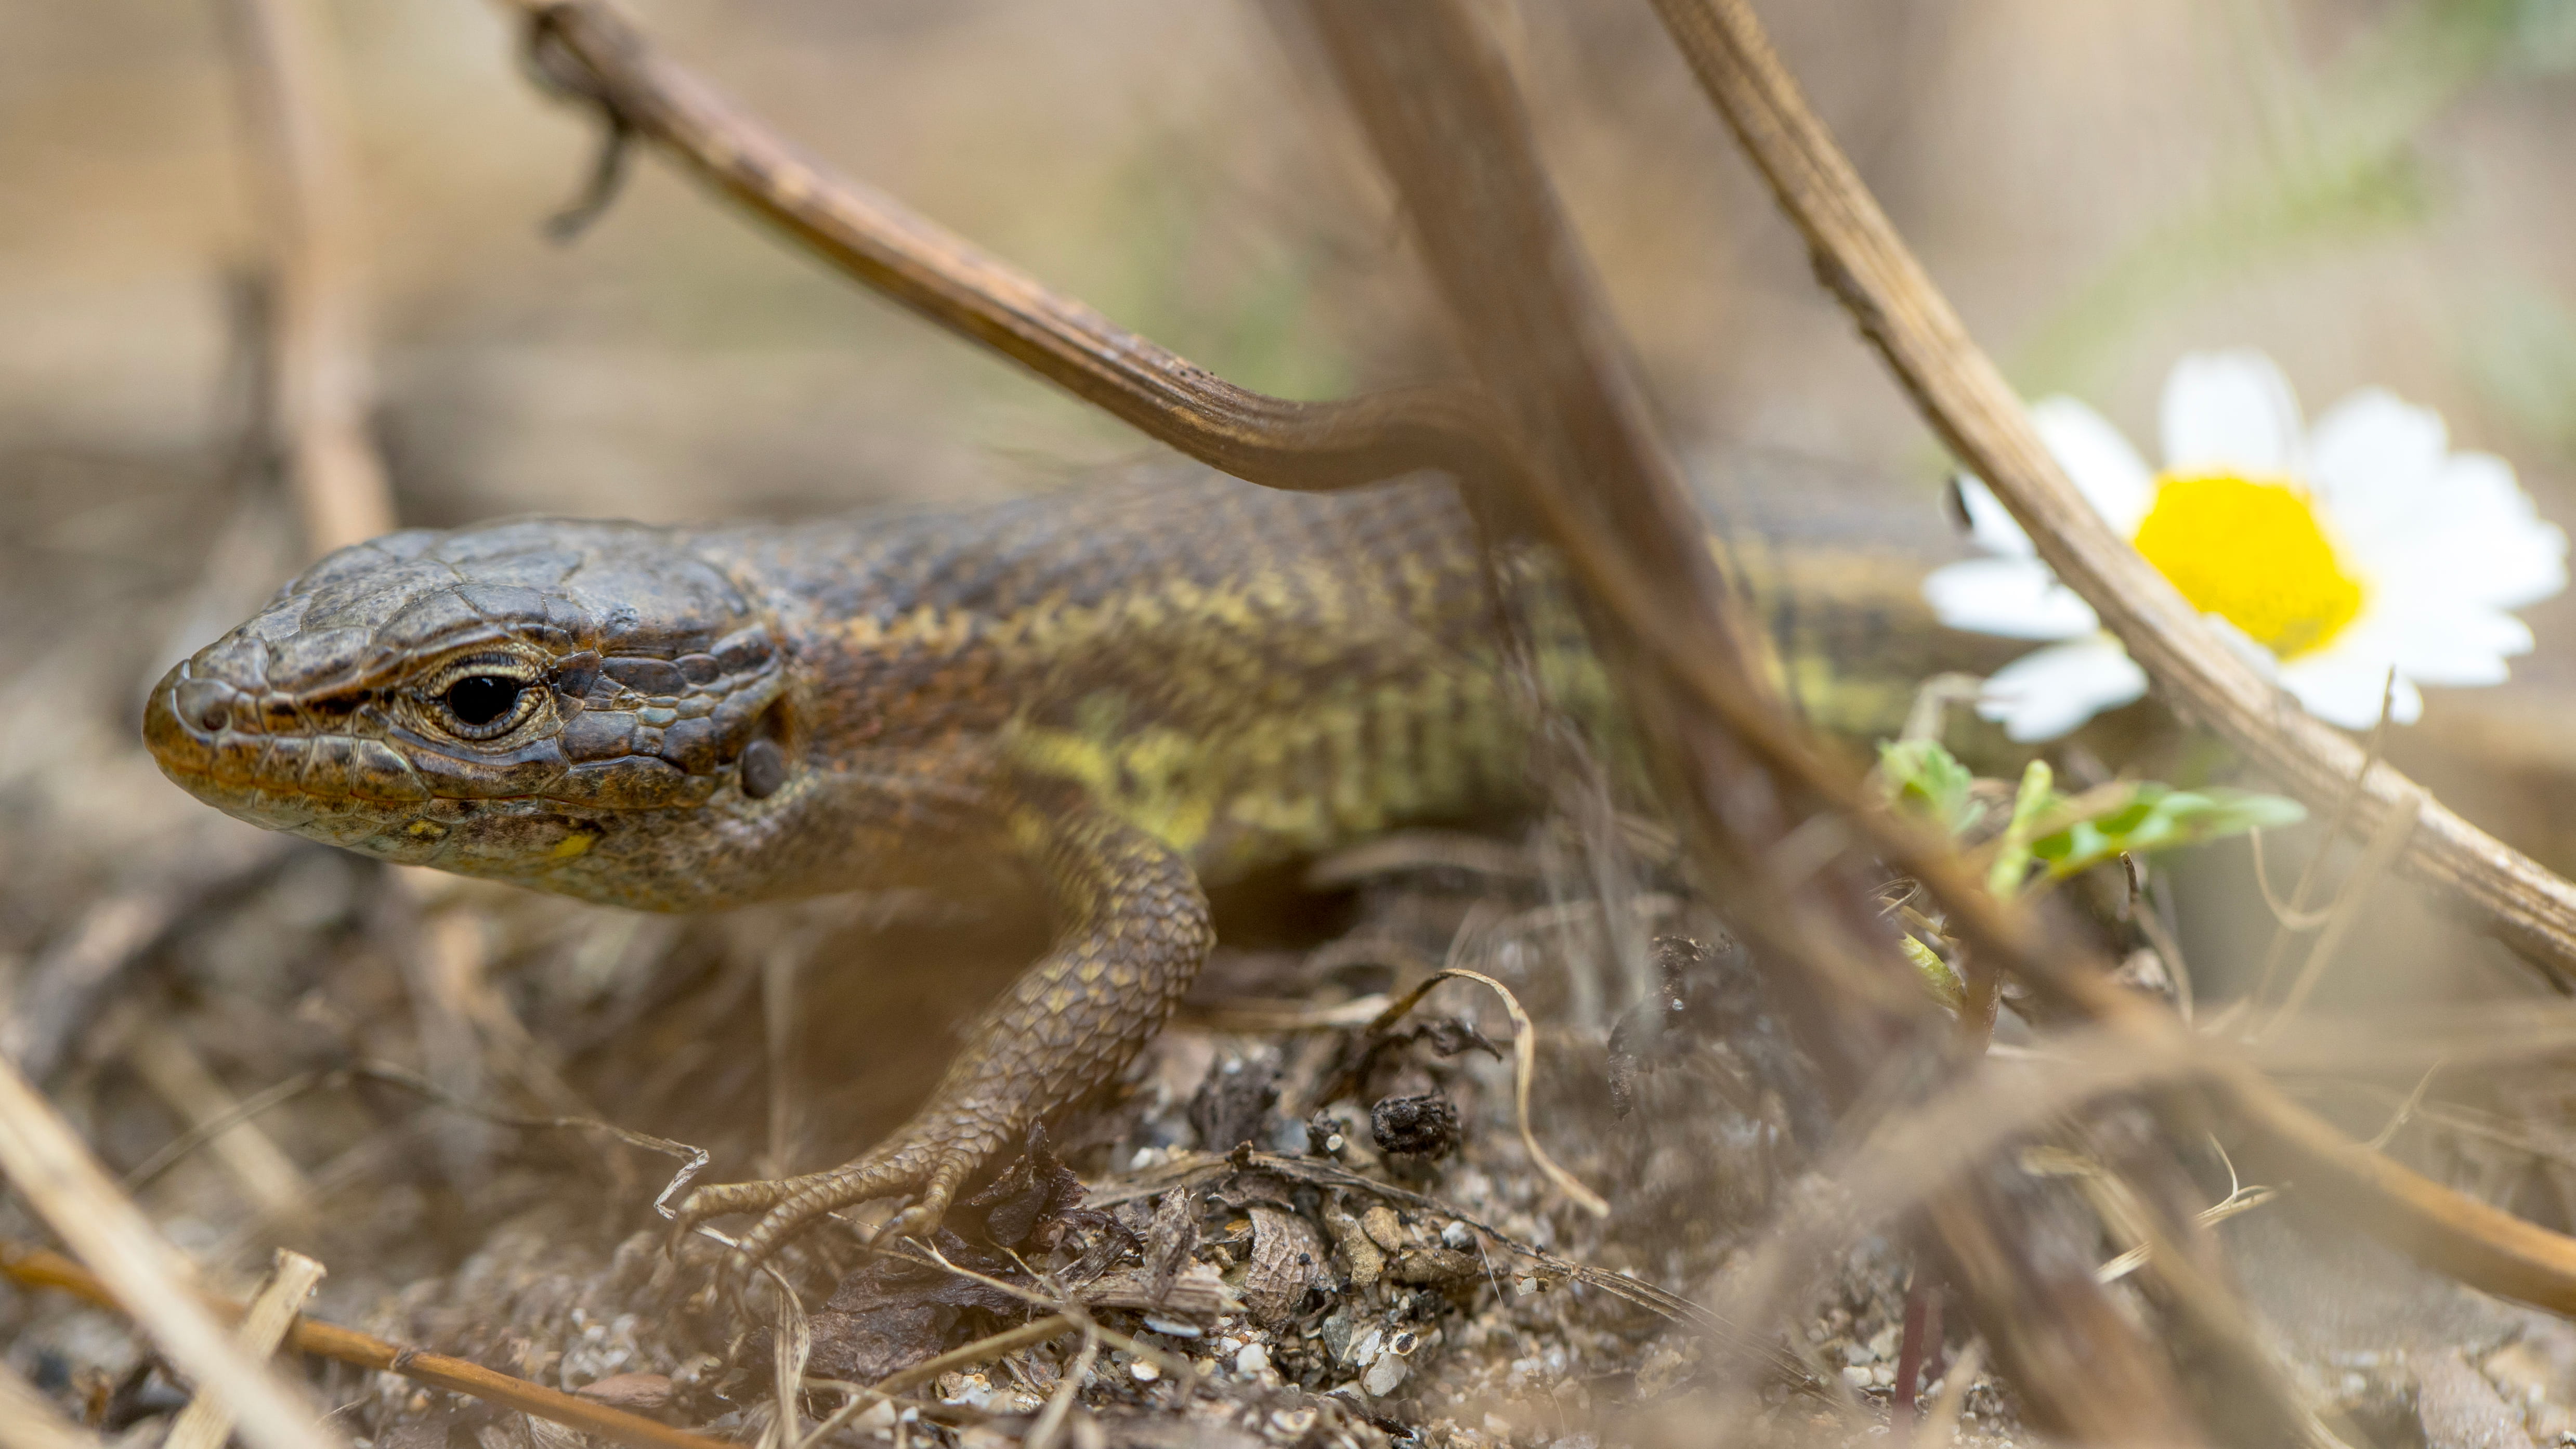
(929, 1170)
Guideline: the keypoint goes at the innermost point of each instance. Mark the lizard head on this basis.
(521, 701)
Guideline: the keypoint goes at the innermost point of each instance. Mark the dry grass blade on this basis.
(2387, 839)
(319, 391)
(1909, 1156)
(1940, 1425)
(1050, 1423)
(206, 1423)
(1524, 1067)
(37, 1268)
(1259, 1016)
(170, 1066)
(984, 1350)
(791, 1348)
(29, 1420)
(139, 1270)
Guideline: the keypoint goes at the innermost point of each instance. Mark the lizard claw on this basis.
(929, 1171)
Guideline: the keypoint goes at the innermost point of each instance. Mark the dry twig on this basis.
(138, 1271)
(207, 1421)
(591, 52)
(36, 1268)
(1524, 1068)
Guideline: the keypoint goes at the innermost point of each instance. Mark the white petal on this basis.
(2344, 688)
(1989, 526)
(2050, 691)
(2438, 643)
(2098, 459)
(2487, 538)
(2230, 412)
(2017, 598)
(2375, 459)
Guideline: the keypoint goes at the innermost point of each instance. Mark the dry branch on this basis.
(591, 51)
(1966, 400)
(36, 1268)
(138, 1272)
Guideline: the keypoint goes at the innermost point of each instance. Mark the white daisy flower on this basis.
(2327, 557)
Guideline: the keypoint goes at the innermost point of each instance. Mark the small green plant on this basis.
(2060, 835)
(2068, 834)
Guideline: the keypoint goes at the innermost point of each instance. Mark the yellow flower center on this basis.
(2252, 552)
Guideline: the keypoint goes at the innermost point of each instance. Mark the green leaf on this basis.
(1923, 777)
(2159, 817)
(1938, 978)
(2033, 799)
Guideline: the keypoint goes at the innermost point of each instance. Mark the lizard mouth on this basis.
(209, 738)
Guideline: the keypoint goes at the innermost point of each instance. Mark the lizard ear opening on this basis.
(764, 761)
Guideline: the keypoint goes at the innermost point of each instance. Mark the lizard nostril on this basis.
(205, 704)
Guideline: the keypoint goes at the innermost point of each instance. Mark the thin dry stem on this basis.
(174, 1071)
(319, 388)
(36, 1268)
(1524, 1068)
(591, 52)
(207, 1422)
(138, 1271)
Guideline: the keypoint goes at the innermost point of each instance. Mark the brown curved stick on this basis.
(37, 1268)
(590, 50)
(1976, 413)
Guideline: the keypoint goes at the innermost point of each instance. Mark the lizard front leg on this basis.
(1132, 931)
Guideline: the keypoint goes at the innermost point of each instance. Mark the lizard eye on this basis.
(479, 699)
(484, 703)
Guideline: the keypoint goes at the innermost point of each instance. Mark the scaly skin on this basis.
(1125, 694)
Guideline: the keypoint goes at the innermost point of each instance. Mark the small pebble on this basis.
(1457, 1236)
(1253, 1361)
(1856, 1376)
(1143, 1371)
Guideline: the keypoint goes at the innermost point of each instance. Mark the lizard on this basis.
(1115, 697)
